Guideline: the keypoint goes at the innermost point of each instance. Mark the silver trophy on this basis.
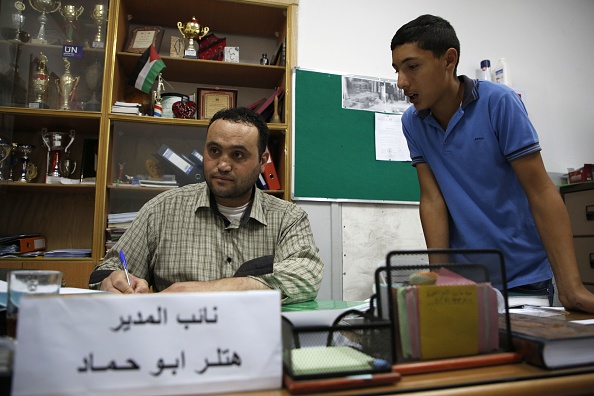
(66, 85)
(99, 15)
(4, 154)
(18, 19)
(28, 170)
(67, 166)
(45, 7)
(56, 152)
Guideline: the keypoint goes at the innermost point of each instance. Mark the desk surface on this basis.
(508, 379)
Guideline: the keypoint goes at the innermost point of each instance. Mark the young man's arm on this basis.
(433, 210)
(554, 227)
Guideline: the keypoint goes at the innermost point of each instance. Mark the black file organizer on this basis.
(474, 264)
(355, 332)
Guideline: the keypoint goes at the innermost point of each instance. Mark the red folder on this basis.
(31, 244)
(270, 174)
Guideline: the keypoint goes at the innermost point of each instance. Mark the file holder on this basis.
(479, 266)
(356, 343)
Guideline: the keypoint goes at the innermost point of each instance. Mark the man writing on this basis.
(482, 179)
(222, 235)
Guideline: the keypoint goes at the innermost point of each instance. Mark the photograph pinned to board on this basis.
(373, 94)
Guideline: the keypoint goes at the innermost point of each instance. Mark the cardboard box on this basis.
(584, 174)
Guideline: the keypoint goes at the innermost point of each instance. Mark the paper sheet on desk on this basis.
(321, 313)
(63, 290)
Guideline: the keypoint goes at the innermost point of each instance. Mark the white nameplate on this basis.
(151, 344)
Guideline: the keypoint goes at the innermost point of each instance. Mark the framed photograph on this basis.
(141, 38)
(211, 100)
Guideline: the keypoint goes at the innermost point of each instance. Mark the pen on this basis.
(125, 265)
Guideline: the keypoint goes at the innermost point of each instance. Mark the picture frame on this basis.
(211, 100)
(141, 38)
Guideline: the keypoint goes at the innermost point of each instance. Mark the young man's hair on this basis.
(430, 33)
(247, 117)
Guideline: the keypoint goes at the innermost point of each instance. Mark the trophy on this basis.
(70, 14)
(66, 85)
(45, 7)
(99, 15)
(54, 141)
(93, 77)
(18, 19)
(40, 81)
(28, 170)
(4, 153)
(192, 31)
(66, 165)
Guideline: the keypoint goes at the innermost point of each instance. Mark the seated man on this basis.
(222, 235)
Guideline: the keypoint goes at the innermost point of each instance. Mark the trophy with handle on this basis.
(18, 19)
(192, 31)
(54, 142)
(45, 7)
(66, 85)
(40, 83)
(28, 170)
(70, 13)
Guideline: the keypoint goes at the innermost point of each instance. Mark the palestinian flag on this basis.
(147, 69)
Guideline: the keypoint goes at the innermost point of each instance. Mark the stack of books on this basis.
(117, 224)
(126, 108)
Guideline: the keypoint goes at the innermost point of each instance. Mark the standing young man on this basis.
(482, 179)
(222, 235)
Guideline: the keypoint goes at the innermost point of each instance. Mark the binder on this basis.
(261, 183)
(22, 243)
(31, 244)
(184, 167)
(270, 174)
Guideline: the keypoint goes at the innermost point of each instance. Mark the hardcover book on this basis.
(552, 343)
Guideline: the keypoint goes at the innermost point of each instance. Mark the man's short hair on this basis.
(247, 117)
(429, 33)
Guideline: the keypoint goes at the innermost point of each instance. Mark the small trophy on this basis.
(66, 85)
(28, 170)
(40, 82)
(192, 31)
(66, 166)
(99, 16)
(4, 153)
(93, 77)
(53, 141)
(45, 7)
(70, 14)
(18, 19)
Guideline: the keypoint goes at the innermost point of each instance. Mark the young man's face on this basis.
(421, 75)
(231, 161)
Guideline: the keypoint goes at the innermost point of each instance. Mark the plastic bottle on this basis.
(486, 70)
(502, 75)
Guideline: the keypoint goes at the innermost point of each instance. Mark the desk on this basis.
(508, 379)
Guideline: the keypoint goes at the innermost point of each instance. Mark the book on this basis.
(551, 342)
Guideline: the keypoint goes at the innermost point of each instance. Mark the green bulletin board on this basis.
(334, 148)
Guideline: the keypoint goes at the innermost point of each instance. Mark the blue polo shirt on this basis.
(471, 163)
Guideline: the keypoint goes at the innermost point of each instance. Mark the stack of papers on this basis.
(68, 253)
(159, 183)
(126, 108)
(126, 217)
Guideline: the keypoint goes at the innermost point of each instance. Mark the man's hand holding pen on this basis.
(117, 282)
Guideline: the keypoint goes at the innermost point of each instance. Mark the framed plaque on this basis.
(211, 100)
(141, 38)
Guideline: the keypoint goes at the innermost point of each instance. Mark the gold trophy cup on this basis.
(40, 82)
(99, 15)
(66, 85)
(192, 31)
(70, 14)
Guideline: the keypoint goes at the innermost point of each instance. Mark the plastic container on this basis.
(502, 75)
(485, 73)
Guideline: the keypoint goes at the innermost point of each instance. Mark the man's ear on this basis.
(264, 160)
(451, 57)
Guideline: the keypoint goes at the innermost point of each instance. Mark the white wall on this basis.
(548, 45)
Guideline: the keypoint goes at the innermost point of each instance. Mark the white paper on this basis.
(390, 143)
(150, 344)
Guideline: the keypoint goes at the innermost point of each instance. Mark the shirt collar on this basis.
(253, 210)
(470, 95)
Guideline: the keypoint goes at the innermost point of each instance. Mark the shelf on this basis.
(42, 187)
(207, 72)
(219, 16)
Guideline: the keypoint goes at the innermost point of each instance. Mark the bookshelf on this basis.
(74, 216)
